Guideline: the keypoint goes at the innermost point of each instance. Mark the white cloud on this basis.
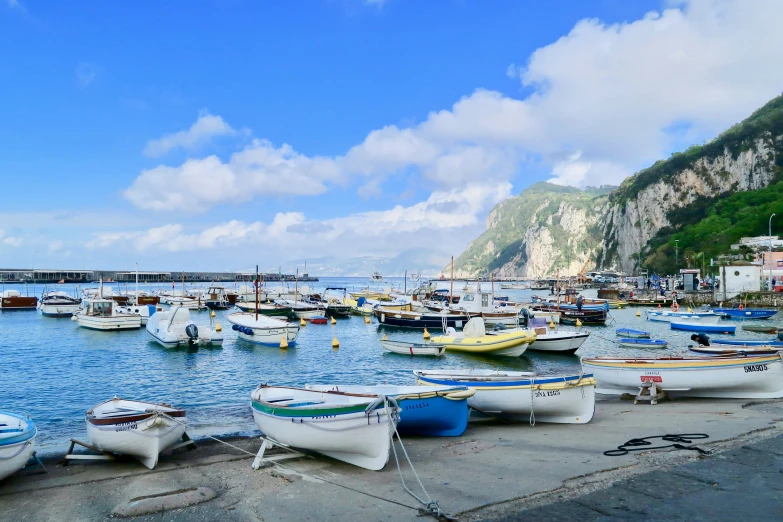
(205, 128)
(85, 73)
(9, 240)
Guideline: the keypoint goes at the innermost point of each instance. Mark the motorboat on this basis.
(58, 304)
(718, 377)
(376, 276)
(302, 309)
(425, 411)
(631, 333)
(702, 327)
(740, 312)
(174, 327)
(268, 309)
(140, 429)
(217, 298)
(143, 311)
(635, 342)
(474, 338)
(407, 319)
(336, 305)
(14, 300)
(568, 399)
(353, 428)
(17, 442)
(105, 314)
(413, 348)
(260, 329)
(557, 341)
(478, 303)
(667, 316)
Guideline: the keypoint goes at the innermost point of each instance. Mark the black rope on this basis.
(644, 444)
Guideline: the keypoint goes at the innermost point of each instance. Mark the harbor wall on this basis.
(43, 276)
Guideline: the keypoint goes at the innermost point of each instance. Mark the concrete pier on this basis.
(493, 472)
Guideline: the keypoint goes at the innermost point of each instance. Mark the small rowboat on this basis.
(426, 411)
(140, 429)
(268, 331)
(719, 377)
(354, 428)
(748, 342)
(413, 348)
(734, 351)
(706, 328)
(667, 316)
(746, 313)
(631, 333)
(643, 343)
(567, 399)
(17, 442)
(760, 329)
(319, 319)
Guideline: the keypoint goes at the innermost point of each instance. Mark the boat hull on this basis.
(746, 313)
(18, 303)
(749, 342)
(566, 343)
(415, 320)
(562, 400)
(668, 317)
(628, 333)
(642, 343)
(704, 328)
(143, 440)
(407, 348)
(128, 322)
(511, 344)
(16, 448)
(55, 310)
(731, 378)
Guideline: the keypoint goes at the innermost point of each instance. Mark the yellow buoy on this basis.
(638, 313)
(426, 333)
(218, 328)
(367, 319)
(334, 321)
(283, 342)
(578, 322)
(335, 343)
(689, 310)
(268, 302)
(302, 322)
(552, 325)
(384, 338)
(212, 314)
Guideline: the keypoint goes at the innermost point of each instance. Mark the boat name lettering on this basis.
(651, 378)
(652, 373)
(756, 368)
(417, 406)
(125, 426)
(547, 393)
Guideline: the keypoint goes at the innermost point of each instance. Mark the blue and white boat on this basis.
(260, 329)
(643, 343)
(427, 411)
(748, 342)
(745, 313)
(667, 316)
(17, 442)
(735, 351)
(631, 333)
(705, 328)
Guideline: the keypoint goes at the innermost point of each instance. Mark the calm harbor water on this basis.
(55, 371)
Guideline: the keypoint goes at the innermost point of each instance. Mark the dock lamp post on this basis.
(676, 253)
(770, 252)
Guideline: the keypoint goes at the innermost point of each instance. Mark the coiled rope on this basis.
(643, 444)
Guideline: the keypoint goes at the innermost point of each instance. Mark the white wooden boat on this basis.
(354, 428)
(17, 442)
(136, 428)
(174, 327)
(729, 377)
(260, 329)
(59, 304)
(667, 316)
(558, 341)
(105, 314)
(413, 348)
(301, 309)
(546, 398)
(735, 351)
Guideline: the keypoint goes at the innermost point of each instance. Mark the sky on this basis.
(217, 134)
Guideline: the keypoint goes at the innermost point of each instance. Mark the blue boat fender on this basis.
(248, 331)
(235, 327)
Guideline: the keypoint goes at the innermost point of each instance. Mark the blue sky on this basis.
(225, 133)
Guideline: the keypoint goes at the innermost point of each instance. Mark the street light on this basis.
(770, 251)
(676, 253)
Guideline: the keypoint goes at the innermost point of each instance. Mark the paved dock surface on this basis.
(494, 471)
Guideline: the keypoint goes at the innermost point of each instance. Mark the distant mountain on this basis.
(416, 260)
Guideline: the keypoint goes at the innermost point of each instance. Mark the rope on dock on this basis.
(643, 444)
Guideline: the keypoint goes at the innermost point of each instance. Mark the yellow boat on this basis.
(369, 294)
(475, 339)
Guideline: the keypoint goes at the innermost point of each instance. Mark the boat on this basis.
(557, 341)
(760, 329)
(143, 311)
(105, 314)
(734, 351)
(425, 411)
(747, 342)
(268, 309)
(217, 298)
(717, 377)
(666, 316)
(568, 399)
(570, 314)
(705, 328)
(478, 303)
(634, 342)
(301, 309)
(413, 348)
(17, 442)
(260, 329)
(319, 319)
(474, 338)
(353, 428)
(745, 313)
(58, 304)
(14, 300)
(408, 319)
(376, 276)
(336, 305)
(631, 333)
(174, 327)
(136, 428)
(549, 317)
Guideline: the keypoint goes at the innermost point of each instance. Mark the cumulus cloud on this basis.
(204, 129)
(9, 240)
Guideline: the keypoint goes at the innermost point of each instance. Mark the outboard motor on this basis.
(192, 332)
(499, 326)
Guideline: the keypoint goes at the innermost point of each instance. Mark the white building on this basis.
(737, 279)
(759, 242)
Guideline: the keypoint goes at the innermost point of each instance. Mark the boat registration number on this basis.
(651, 378)
(756, 368)
(547, 393)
